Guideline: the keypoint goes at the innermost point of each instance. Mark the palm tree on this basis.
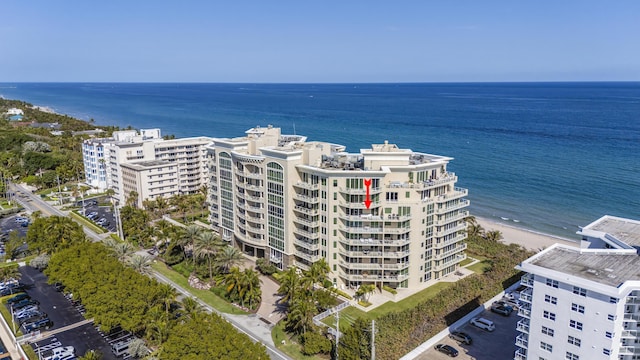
(300, 316)
(91, 355)
(191, 308)
(318, 271)
(289, 285)
(474, 230)
(243, 286)
(207, 246)
(161, 205)
(121, 250)
(494, 235)
(132, 199)
(166, 296)
(188, 238)
(141, 263)
(228, 258)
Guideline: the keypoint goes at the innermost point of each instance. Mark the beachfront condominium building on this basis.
(386, 215)
(583, 302)
(149, 166)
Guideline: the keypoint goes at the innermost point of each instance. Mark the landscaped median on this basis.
(206, 296)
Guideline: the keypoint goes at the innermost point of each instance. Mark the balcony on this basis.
(306, 198)
(306, 210)
(363, 191)
(396, 230)
(303, 221)
(630, 334)
(525, 313)
(443, 255)
(443, 243)
(523, 326)
(300, 265)
(631, 317)
(522, 340)
(309, 257)
(457, 217)
(398, 242)
(360, 230)
(396, 218)
(366, 218)
(629, 350)
(455, 194)
(307, 234)
(527, 295)
(460, 205)
(360, 277)
(376, 254)
(313, 246)
(255, 230)
(633, 300)
(520, 354)
(445, 265)
(527, 280)
(358, 205)
(459, 227)
(374, 266)
(306, 185)
(253, 198)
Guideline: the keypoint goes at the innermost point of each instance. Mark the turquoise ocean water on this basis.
(551, 156)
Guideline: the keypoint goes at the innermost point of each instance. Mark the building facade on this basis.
(386, 215)
(583, 302)
(146, 164)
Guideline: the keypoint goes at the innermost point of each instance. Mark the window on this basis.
(609, 334)
(577, 308)
(606, 351)
(552, 283)
(579, 291)
(575, 324)
(551, 299)
(547, 331)
(574, 341)
(613, 300)
(549, 315)
(571, 356)
(545, 346)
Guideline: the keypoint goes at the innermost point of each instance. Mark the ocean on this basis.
(547, 157)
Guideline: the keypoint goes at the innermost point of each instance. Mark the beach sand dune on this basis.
(528, 239)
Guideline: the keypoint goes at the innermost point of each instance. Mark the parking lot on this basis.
(102, 212)
(496, 345)
(62, 312)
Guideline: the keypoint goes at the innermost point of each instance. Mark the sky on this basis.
(319, 41)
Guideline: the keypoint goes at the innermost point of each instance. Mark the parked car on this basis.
(461, 337)
(502, 310)
(92, 215)
(18, 298)
(483, 323)
(31, 317)
(13, 289)
(24, 303)
(447, 349)
(37, 325)
(101, 221)
(25, 310)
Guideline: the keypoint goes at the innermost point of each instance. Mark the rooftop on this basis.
(142, 165)
(625, 230)
(608, 267)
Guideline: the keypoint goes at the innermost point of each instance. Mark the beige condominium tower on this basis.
(386, 215)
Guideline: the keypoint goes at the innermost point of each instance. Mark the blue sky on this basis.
(321, 41)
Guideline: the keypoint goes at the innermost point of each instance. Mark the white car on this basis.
(483, 323)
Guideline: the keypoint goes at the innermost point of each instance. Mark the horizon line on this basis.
(324, 83)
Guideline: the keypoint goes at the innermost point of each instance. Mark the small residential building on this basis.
(385, 215)
(583, 302)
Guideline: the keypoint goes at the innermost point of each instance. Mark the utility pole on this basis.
(373, 340)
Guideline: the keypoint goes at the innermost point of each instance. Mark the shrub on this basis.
(40, 262)
(389, 289)
(314, 343)
(265, 266)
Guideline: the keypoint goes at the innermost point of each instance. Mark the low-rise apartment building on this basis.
(583, 302)
(385, 215)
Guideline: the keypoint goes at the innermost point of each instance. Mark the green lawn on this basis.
(7, 314)
(289, 347)
(480, 267)
(207, 296)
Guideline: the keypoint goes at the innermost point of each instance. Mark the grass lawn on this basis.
(207, 296)
(290, 348)
(84, 222)
(7, 314)
(350, 314)
(480, 267)
(466, 261)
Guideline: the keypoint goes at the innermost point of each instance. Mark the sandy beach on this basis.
(529, 239)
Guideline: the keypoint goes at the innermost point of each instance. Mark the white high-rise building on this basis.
(583, 302)
(385, 215)
(144, 163)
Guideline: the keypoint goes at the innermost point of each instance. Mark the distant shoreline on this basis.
(529, 239)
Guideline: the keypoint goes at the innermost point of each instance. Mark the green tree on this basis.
(141, 263)
(355, 342)
(91, 355)
(227, 258)
(207, 246)
(493, 236)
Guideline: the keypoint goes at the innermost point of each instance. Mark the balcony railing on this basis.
(359, 277)
(520, 354)
(445, 232)
(398, 242)
(309, 257)
(363, 191)
(459, 216)
(525, 313)
(527, 280)
(374, 266)
(522, 341)
(313, 246)
(453, 261)
(306, 210)
(303, 221)
(307, 234)
(526, 295)
(443, 255)
(306, 185)
(523, 326)
(306, 198)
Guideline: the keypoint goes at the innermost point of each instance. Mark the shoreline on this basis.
(529, 239)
